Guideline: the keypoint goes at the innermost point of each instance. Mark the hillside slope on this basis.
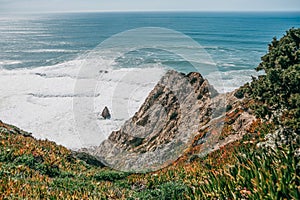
(251, 159)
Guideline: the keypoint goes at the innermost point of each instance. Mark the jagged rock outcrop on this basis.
(87, 158)
(231, 124)
(105, 113)
(182, 115)
(163, 127)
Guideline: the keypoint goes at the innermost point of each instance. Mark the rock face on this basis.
(225, 126)
(105, 113)
(164, 125)
(183, 115)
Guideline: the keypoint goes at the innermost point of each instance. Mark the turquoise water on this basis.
(235, 41)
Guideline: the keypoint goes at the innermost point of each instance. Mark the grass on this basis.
(40, 169)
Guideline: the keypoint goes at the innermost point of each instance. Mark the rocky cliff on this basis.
(182, 115)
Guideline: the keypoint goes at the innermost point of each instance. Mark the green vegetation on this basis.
(173, 115)
(277, 92)
(228, 107)
(40, 169)
(32, 168)
(239, 94)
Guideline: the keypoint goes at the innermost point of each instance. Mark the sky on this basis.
(40, 6)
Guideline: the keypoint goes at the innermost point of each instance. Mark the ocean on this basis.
(44, 90)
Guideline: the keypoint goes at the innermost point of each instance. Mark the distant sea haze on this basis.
(40, 56)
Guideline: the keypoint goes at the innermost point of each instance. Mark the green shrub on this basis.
(239, 94)
(173, 115)
(278, 90)
(200, 96)
(168, 190)
(228, 107)
(110, 175)
(193, 80)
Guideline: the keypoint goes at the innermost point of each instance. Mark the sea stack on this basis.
(105, 113)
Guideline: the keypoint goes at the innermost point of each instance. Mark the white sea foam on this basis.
(40, 100)
(230, 80)
(9, 62)
(51, 50)
(228, 64)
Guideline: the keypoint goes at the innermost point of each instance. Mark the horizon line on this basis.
(153, 11)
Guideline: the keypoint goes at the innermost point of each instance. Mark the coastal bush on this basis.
(165, 191)
(110, 175)
(277, 92)
(239, 94)
(228, 107)
(199, 96)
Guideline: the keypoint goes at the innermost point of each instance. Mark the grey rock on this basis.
(280, 137)
(178, 110)
(163, 127)
(86, 157)
(105, 113)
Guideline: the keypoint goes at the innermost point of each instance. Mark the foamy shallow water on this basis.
(40, 100)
